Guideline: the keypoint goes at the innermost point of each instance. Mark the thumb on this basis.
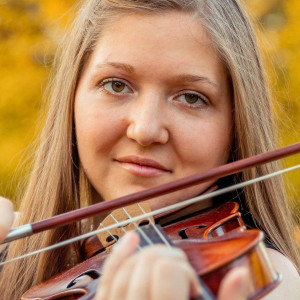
(235, 285)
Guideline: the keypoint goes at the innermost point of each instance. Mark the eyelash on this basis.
(111, 81)
(203, 99)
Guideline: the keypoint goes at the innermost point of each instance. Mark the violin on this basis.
(214, 241)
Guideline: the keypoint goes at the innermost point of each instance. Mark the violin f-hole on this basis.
(92, 274)
(183, 232)
(112, 238)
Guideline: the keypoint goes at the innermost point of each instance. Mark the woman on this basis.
(146, 92)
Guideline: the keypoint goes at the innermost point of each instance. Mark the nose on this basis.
(148, 121)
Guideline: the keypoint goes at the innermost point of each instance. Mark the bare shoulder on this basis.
(289, 287)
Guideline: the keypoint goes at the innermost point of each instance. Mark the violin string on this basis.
(138, 228)
(156, 212)
(122, 227)
(109, 232)
(164, 240)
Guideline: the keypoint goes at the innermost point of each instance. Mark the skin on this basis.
(150, 117)
(234, 285)
(134, 99)
(159, 273)
(6, 217)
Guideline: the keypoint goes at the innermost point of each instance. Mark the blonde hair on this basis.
(57, 184)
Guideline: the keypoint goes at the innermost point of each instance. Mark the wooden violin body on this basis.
(215, 242)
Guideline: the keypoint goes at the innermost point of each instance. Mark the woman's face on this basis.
(152, 105)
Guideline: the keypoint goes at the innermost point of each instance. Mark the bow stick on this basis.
(215, 173)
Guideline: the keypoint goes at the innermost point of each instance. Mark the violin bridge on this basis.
(109, 238)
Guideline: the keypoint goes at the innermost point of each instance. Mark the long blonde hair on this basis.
(57, 185)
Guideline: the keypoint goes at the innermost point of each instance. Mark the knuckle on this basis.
(165, 267)
(180, 254)
(148, 255)
(152, 253)
(162, 257)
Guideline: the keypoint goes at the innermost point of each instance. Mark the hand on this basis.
(158, 272)
(6, 217)
(235, 285)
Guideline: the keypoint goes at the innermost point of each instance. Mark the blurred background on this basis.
(31, 29)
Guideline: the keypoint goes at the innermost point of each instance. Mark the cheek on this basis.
(205, 144)
(96, 130)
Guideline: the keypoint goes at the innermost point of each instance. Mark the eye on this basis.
(115, 86)
(192, 99)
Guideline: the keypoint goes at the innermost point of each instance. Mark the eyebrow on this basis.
(194, 78)
(126, 67)
(187, 78)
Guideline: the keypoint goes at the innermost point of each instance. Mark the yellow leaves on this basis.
(57, 10)
(258, 8)
(28, 40)
(290, 46)
(297, 234)
(284, 69)
(30, 29)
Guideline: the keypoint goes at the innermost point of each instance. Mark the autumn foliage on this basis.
(31, 29)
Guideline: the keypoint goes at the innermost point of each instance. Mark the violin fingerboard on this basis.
(152, 234)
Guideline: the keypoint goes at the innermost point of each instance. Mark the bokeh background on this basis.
(31, 29)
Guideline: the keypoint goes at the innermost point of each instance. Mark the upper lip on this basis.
(142, 162)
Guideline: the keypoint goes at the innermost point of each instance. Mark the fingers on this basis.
(6, 217)
(132, 280)
(159, 273)
(174, 280)
(235, 285)
(123, 249)
(156, 272)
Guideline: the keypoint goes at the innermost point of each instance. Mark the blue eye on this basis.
(115, 86)
(192, 99)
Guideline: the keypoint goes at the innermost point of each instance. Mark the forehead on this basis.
(176, 21)
(176, 38)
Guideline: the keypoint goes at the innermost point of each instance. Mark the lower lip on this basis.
(139, 170)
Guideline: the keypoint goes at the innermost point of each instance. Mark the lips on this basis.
(142, 166)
